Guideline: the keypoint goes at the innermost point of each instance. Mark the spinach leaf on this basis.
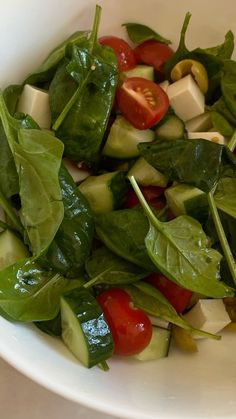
(11, 96)
(224, 50)
(123, 232)
(9, 183)
(196, 162)
(181, 51)
(221, 107)
(221, 124)
(180, 250)
(72, 243)
(37, 156)
(228, 82)
(47, 69)
(82, 122)
(225, 196)
(140, 33)
(150, 300)
(27, 293)
(104, 267)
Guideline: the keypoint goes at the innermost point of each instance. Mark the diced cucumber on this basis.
(146, 175)
(199, 123)
(84, 329)
(104, 192)
(171, 128)
(144, 71)
(185, 199)
(123, 139)
(11, 249)
(158, 346)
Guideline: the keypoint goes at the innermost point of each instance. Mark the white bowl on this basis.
(186, 386)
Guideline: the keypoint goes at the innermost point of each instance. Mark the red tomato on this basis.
(124, 53)
(153, 53)
(179, 297)
(142, 102)
(152, 194)
(131, 328)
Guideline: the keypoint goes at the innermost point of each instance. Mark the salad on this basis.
(117, 190)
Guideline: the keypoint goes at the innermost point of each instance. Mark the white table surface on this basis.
(21, 398)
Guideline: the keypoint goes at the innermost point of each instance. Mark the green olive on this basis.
(193, 67)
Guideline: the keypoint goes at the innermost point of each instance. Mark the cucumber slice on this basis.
(146, 175)
(123, 139)
(84, 329)
(171, 128)
(104, 192)
(11, 249)
(144, 71)
(185, 199)
(158, 346)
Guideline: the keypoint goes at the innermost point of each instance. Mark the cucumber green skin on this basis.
(97, 335)
(119, 187)
(170, 128)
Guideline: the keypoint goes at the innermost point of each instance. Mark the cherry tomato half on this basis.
(153, 53)
(142, 102)
(152, 194)
(131, 328)
(124, 53)
(178, 297)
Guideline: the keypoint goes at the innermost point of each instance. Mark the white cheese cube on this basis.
(159, 322)
(208, 315)
(199, 123)
(164, 85)
(186, 98)
(215, 137)
(35, 102)
(77, 172)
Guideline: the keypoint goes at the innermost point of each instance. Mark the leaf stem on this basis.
(96, 22)
(103, 365)
(222, 237)
(143, 201)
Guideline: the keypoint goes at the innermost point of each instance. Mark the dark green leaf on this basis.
(225, 196)
(199, 162)
(11, 96)
(47, 69)
(182, 50)
(220, 124)
(72, 243)
(104, 267)
(221, 107)
(228, 83)
(180, 250)
(123, 232)
(224, 50)
(150, 300)
(9, 182)
(140, 33)
(28, 293)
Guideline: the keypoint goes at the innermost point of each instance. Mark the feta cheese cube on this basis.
(186, 98)
(215, 137)
(199, 123)
(35, 102)
(77, 173)
(208, 315)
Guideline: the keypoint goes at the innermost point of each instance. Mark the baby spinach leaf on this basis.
(9, 182)
(221, 124)
(27, 293)
(140, 33)
(224, 50)
(221, 107)
(181, 51)
(180, 250)
(150, 300)
(82, 122)
(47, 69)
(123, 232)
(228, 82)
(225, 196)
(199, 162)
(104, 267)
(11, 96)
(72, 243)
(51, 327)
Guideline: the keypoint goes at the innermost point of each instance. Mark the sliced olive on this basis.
(193, 67)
